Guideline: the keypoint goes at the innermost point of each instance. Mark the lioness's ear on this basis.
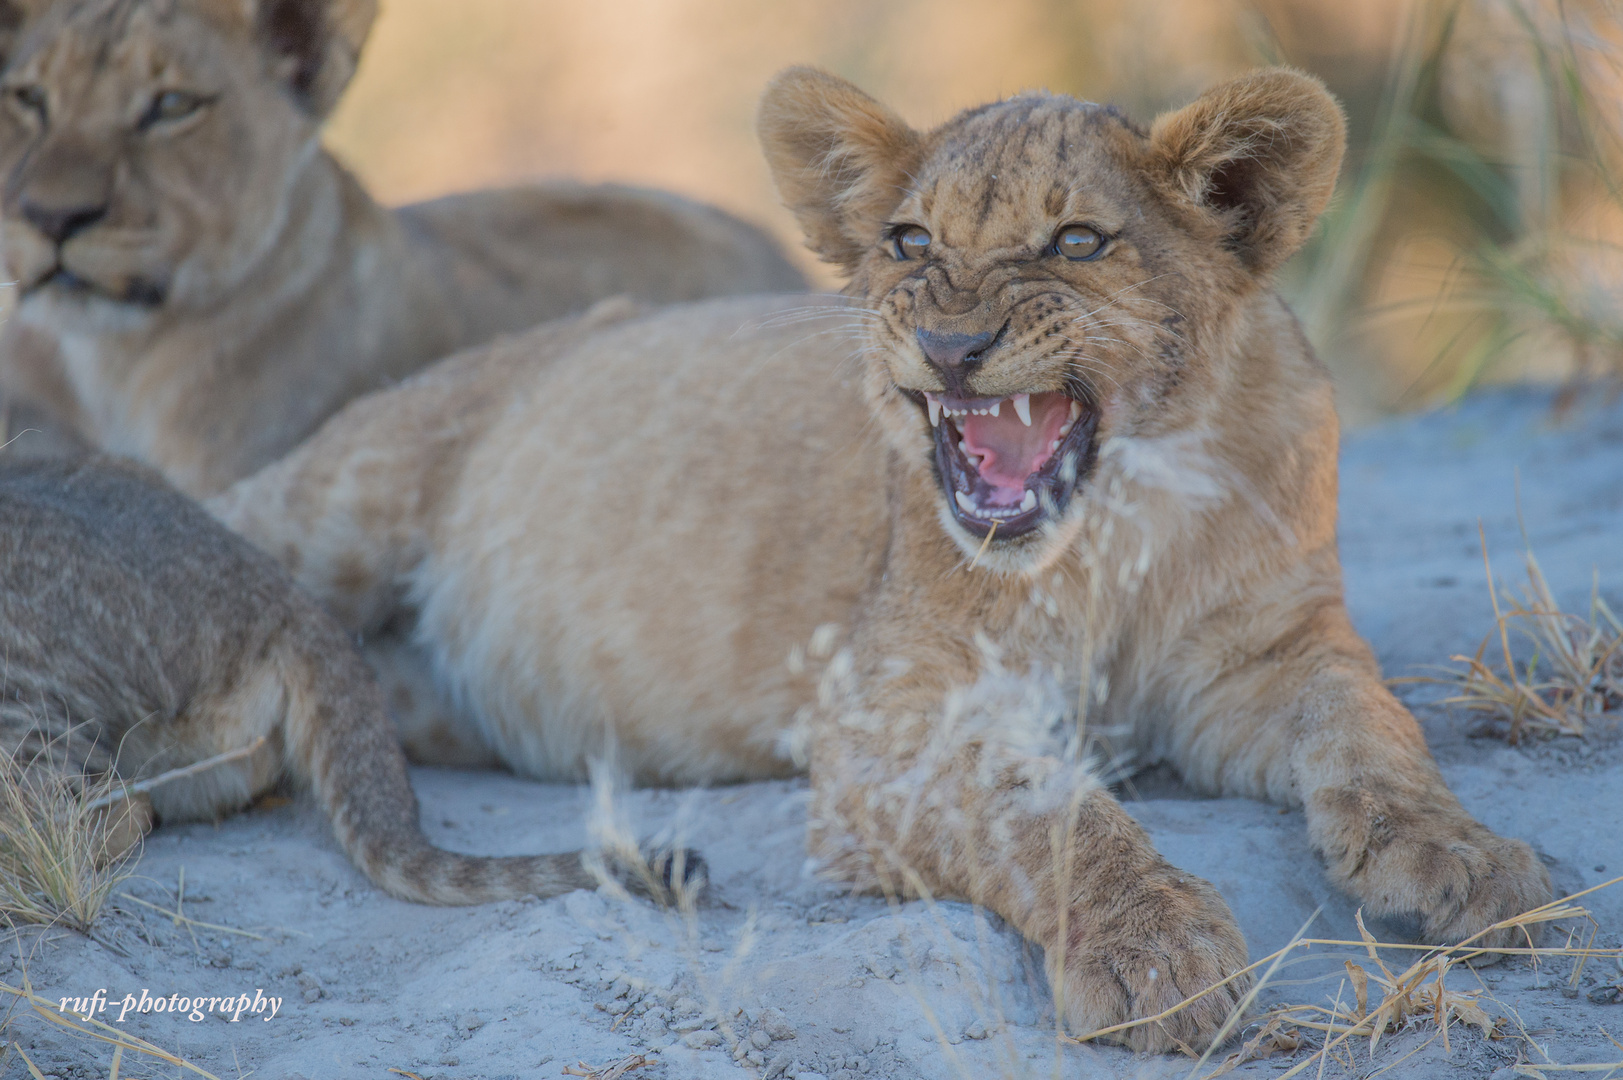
(318, 42)
(1262, 152)
(840, 158)
(13, 13)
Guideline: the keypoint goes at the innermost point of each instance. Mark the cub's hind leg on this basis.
(53, 764)
(336, 738)
(351, 513)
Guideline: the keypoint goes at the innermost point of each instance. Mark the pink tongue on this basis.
(1009, 450)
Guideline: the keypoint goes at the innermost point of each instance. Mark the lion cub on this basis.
(199, 284)
(1062, 458)
(138, 635)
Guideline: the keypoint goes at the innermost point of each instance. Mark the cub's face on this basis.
(1040, 273)
(149, 148)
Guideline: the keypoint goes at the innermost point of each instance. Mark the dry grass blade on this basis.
(608, 1072)
(32, 1071)
(1274, 1038)
(56, 863)
(1572, 681)
(178, 919)
(124, 791)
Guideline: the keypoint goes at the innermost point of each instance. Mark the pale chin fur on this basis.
(1034, 554)
(50, 309)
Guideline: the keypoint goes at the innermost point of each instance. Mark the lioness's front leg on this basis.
(1309, 721)
(911, 802)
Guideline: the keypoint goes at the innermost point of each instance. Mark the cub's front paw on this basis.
(1145, 948)
(1451, 878)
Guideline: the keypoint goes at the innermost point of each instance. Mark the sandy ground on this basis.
(819, 984)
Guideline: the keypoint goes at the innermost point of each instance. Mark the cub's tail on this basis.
(338, 739)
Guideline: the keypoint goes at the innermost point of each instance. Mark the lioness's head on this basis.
(1041, 274)
(149, 147)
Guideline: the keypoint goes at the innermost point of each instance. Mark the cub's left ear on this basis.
(315, 44)
(1262, 152)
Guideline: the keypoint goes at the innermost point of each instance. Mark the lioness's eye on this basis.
(30, 98)
(171, 105)
(1078, 242)
(912, 241)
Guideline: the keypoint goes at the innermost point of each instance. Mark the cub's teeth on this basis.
(935, 411)
(965, 503)
(1053, 446)
(996, 405)
(1076, 411)
(1029, 501)
(1022, 407)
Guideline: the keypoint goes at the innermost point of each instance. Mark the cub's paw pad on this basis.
(1152, 951)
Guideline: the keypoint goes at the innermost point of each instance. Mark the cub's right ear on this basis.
(841, 160)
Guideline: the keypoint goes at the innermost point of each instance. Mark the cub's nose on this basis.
(60, 222)
(953, 355)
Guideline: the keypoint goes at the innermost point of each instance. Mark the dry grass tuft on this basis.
(1572, 681)
(1386, 1001)
(61, 849)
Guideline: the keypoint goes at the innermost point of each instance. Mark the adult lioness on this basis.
(200, 285)
(1064, 437)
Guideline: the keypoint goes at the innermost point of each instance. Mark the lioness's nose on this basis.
(953, 352)
(61, 222)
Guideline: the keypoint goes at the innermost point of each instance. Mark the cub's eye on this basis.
(911, 241)
(1078, 242)
(171, 105)
(29, 99)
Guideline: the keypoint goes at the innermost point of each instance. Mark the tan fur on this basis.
(653, 530)
(221, 284)
(139, 636)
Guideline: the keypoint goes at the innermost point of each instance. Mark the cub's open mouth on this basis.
(1010, 462)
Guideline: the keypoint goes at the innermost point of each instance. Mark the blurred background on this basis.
(1475, 235)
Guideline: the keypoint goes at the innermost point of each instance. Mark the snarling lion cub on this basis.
(200, 284)
(1064, 456)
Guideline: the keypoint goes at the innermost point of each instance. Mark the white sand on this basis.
(524, 989)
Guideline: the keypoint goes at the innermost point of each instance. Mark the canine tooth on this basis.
(965, 503)
(935, 411)
(1022, 407)
(1029, 501)
(1076, 411)
(996, 405)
